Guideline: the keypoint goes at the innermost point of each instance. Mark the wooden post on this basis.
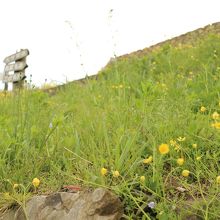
(17, 85)
(6, 87)
(6, 83)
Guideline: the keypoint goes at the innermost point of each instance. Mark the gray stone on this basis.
(100, 204)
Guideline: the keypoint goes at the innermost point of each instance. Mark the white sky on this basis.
(61, 35)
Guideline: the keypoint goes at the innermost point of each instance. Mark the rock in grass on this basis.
(100, 204)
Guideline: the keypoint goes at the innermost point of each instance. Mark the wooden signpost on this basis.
(15, 63)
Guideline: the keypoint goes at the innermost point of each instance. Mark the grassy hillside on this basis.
(147, 128)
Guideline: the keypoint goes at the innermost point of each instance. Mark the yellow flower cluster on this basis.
(35, 183)
(215, 117)
(104, 171)
(148, 160)
(5, 94)
(2, 94)
(164, 149)
(216, 125)
(120, 86)
(117, 87)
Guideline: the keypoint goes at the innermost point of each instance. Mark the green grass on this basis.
(135, 105)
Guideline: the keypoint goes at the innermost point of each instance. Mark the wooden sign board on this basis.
(17, 56)
(14, 78)
(15, 63)
(18, 66)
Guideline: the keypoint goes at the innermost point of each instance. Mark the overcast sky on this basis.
(62, 35)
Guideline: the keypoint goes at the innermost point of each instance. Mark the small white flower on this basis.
(50, 125)
(151, 205)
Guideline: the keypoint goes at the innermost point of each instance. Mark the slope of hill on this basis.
(189, 38)
(147, 128)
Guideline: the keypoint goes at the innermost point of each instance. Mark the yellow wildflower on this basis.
(216, 125)
(185, 173)
(142, 179)
(36, 182)
(120, 86)
(180, 161)
(180, 139)
(198, 158)
(116, 173)
(203, 109)
(15, 185)
(215, 115)
(164, 148)
(148, 160)
(218, 179)
(194, 145)
(103, 171)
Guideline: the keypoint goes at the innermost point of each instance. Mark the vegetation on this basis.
(147, 128)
